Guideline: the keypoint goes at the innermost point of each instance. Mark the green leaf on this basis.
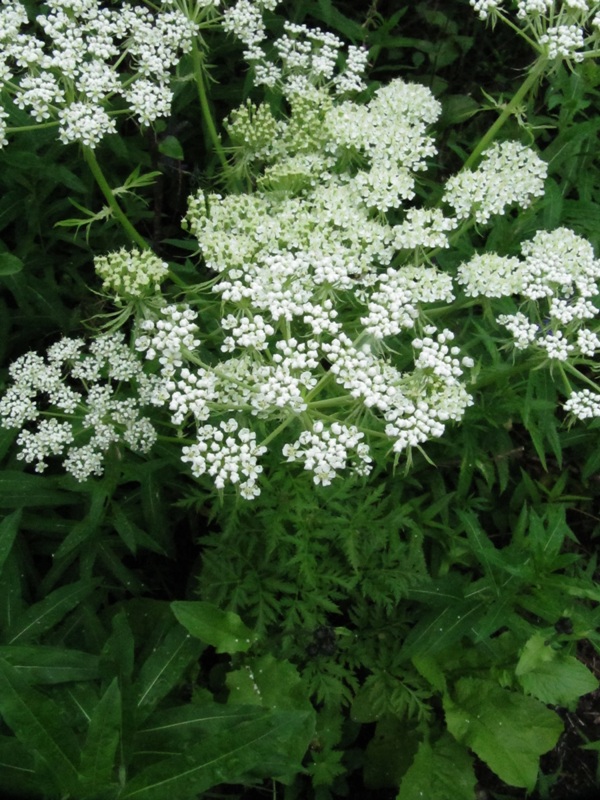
(258, 748)
(18, 774)
(390, 752)
(100, 748)
(551, 676)
(171, 147)
(508, 731)
(439, 772)
(37, 723)
(224, 630)
(19, 489)
(9, 264)
(164, 668)
(50, 665)
(9, 528)
(187, 724)
(42, 616)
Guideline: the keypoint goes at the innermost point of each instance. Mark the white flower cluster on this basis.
(228, 455)
(70, 404)
(584, 404)
(306, 56)
(131, 274)
(561, 29)
(558, 276)
(65, 64)
(509, 174)
(325, 451)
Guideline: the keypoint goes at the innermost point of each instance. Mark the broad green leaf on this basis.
(9, 528)
(441, 628)
(171, 147)
(224, 630)
(45, 664)
(551, 676)
(258, 748)
(270, 683)
(100, 748)
(19, 489)
(164, 668)
(390, 752)
(507, 730)
(36, 722)
(48, 612)
(10, 264)
(440, 771)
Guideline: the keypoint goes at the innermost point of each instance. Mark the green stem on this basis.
(202, 97)
(530, 81)
(118, 212)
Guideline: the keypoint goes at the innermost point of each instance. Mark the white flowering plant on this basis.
(377, 319)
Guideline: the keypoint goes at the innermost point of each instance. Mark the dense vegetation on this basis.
(299, 418)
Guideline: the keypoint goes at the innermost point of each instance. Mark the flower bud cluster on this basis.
(72, 404)
(131, 274)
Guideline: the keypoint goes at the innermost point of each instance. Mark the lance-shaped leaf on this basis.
(224, 630)
(164, 668)
(507, 730)
(42, 616)
(36, 722)
(98, 754)
(22, 489)
(45, 664)
(19, 776)
(8, 530)
(255, 749)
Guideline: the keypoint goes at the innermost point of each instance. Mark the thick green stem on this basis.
(118, 212)
(530, 81)
(206, 113)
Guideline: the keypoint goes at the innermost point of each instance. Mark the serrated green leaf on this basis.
(42, 616)
(507, 730)
(10, 264)
(439, 772)
(36, 722)
(100, 748)
(9, 528)
(224, 630)
(258, 748)
(390, 752)
(50, 665)
(551, 676)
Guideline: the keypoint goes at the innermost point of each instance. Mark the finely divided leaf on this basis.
(508, 731)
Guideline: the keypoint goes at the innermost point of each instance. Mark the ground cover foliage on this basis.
(299, 440)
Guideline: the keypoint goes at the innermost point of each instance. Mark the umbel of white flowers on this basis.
(321, 277)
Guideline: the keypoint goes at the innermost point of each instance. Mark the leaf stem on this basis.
(531, 79)
(206, 112)
(108, 193)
